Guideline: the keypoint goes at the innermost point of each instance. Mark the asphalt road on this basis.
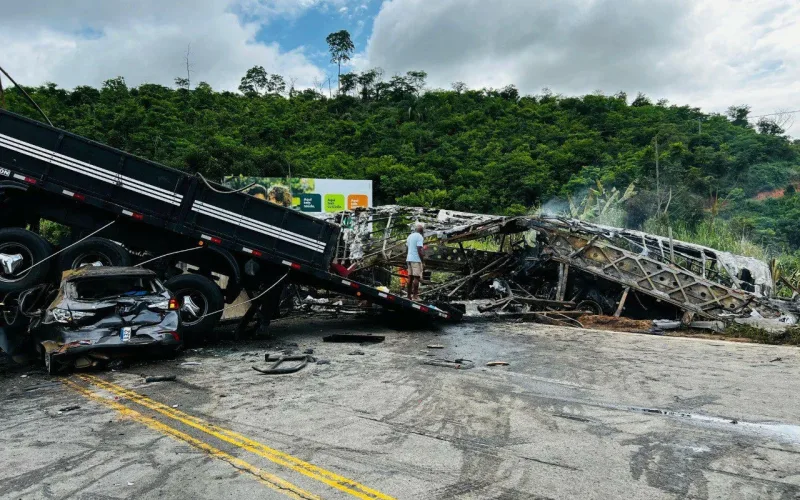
(576, 414)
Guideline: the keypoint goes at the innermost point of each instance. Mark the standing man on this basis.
(414, 260)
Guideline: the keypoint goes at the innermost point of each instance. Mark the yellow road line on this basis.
(330, 478)
(264, 477)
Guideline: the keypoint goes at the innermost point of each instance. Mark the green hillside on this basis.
(481, 150)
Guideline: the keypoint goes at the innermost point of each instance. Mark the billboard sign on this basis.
(307, 195)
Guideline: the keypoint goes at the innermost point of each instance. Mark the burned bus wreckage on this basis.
(556, 269)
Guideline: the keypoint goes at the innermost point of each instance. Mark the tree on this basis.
(182, 83)
(254, 81)
(416, 79)
(459, 87)
(348, 82)
(367, 81)
(738, 115)
(341, 48)
(641, 100)
(509, 93)
(276, 84)
(769, 127)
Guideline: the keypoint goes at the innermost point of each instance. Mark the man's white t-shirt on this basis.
(414, 240)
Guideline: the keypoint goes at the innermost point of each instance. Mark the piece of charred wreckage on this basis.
(555, 270)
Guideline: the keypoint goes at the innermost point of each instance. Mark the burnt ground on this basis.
(576, 414)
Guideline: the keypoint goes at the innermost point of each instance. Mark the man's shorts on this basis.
(415, 269)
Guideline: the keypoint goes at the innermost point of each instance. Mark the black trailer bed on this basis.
(123, 185)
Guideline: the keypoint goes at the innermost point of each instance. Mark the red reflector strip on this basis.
(390, 297)
(71, 194)
(424, 309)
(251, 251)
(133, 214)
(29, 180)
(295, 265)
(216, 240)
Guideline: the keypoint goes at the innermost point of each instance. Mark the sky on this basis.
(706, 53)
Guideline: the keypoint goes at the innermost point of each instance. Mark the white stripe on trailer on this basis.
(415, 306)
(381, 294)
(256, 225)
(89, 170)
(251, 227)
(248, 250)
(88, 166)
(127, 212)
(205, 237)
(20, 177)
(68, 193)
(345, 282)
(102, 175)
(286, 263)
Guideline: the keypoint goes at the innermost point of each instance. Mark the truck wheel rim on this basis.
(91, 259)
(12, 248)
(199, 300)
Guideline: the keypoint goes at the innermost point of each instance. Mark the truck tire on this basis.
(206, 295)
(32, 248)
(93, 250)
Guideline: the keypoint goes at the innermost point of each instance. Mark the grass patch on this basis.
(790, 336)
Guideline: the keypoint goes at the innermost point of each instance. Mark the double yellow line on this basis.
(234, 438)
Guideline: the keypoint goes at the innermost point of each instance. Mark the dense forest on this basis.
(479, 150)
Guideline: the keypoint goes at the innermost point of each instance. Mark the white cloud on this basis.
(84, 42)
(706, 53)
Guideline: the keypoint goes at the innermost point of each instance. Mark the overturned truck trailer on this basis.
(557, 264)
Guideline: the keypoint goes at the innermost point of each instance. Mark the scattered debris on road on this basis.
(497, 363)
(354, 338)
(458, 364)
(277, 361)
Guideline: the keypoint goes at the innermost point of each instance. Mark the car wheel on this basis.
(94, 252)
(198, 296)
(19, 250)
(52, 365)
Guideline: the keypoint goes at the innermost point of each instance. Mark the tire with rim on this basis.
(92, 251)
(206, 295)
(32, 248)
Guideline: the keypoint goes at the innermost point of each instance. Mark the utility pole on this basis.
(188, 67)
(699, 127)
